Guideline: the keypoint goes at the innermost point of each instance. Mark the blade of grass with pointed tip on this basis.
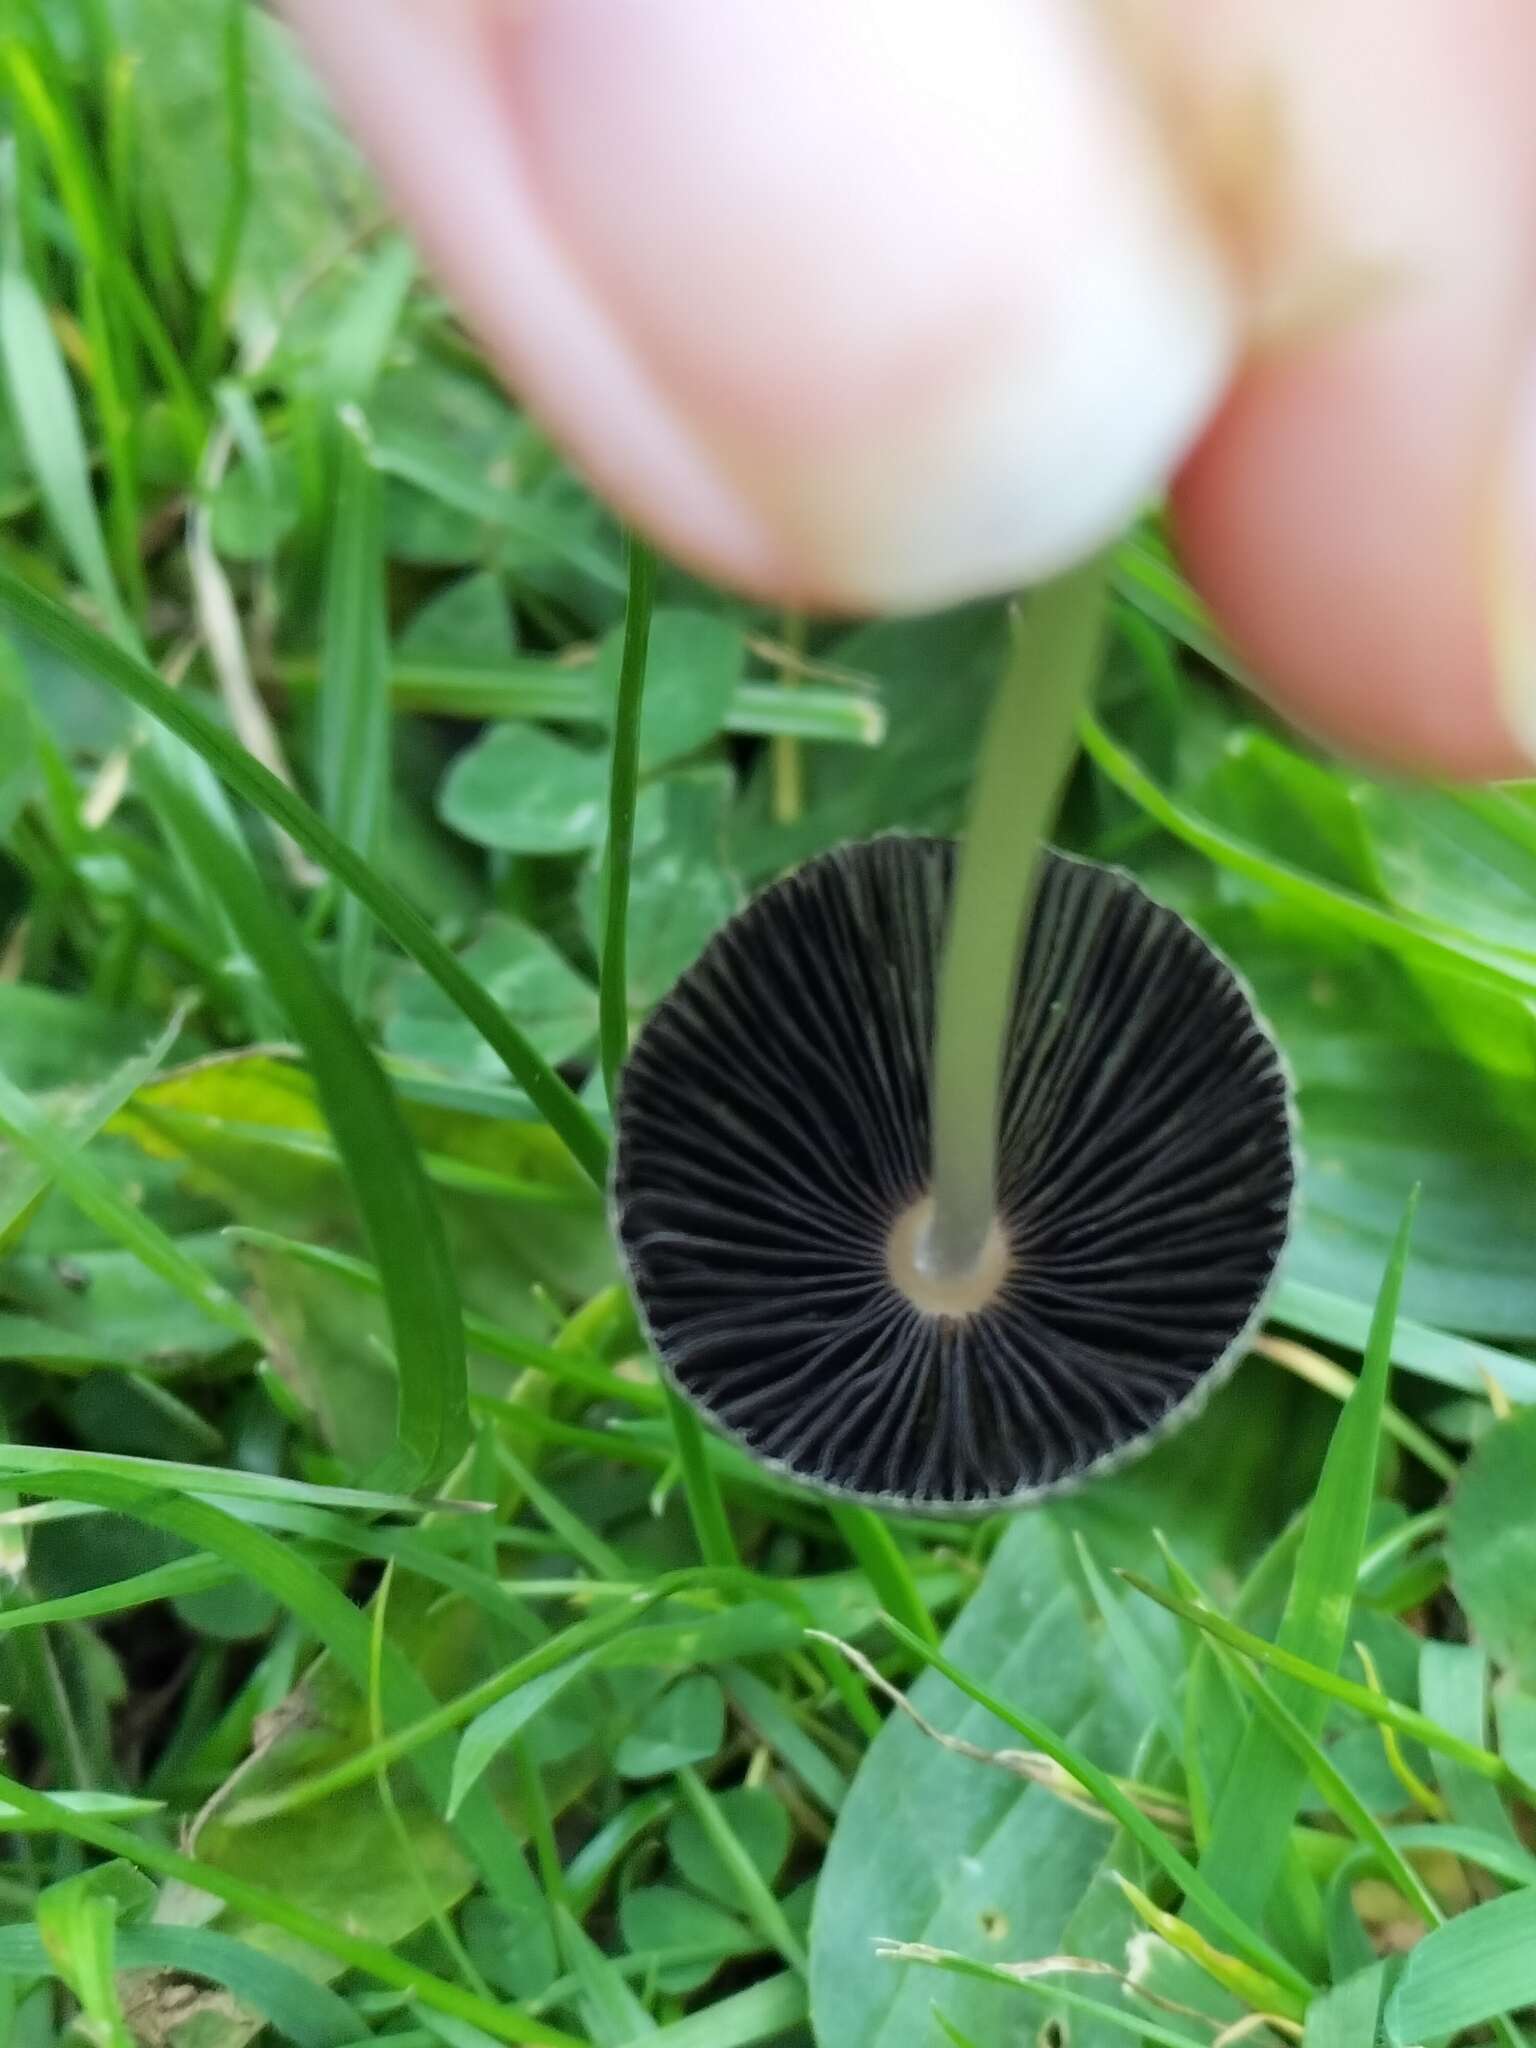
(58, 1467)
(354, 690)
(1244, 1939)
(97, 658)
(1251, 1824)
(1134, 1651)
(394, 1198)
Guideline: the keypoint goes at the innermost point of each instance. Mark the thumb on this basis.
(867, 305)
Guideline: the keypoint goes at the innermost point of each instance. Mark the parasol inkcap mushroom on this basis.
(945, 1183)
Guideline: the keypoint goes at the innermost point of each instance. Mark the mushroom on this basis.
(944, 1184)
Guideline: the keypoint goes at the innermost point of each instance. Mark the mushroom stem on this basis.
(1027, 751)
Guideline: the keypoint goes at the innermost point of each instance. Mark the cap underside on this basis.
(773, 1131)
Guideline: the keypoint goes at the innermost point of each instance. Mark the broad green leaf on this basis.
(522, 972)
(682, 889)
(1476, 1966)
(466, 621)
(1387, 1101)
(521, 790)
(1453, 1691)
(936, 1848)
(1492, 1542)
(689, 1937)
(761, 1826)
(683, 1726)
(308, 190)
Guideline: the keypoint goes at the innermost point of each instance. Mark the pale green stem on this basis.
(1027, 751)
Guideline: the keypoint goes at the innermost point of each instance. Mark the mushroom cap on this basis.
(772, 1129)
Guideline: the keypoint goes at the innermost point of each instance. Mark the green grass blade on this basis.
(1240, 1936)
(211, 339)
(706, 1509)
(61, 1468)
(308, 2014)
(757, 1898)
(172, 1581)
(48, 421)
(344, 1630)
(1337, 1792)
(1375, 1706)
(1416, 1347)
(1044, 1989)
(1251, 1825)
(393, 1196)
(56, 1155)
(1414, 940)
(538, 687)
(503, 2022)
(96, 657)
(623, 786)
(1134, 1652)
(880, 1558)
(759, 2014)
(354, 693)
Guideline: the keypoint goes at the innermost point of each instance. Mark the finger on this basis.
(1357, 515)
(873, 304)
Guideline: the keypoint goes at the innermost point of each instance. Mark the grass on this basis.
(385, 1653)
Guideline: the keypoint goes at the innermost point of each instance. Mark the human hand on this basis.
(878, 303)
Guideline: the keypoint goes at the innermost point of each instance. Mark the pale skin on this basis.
(874, 304)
